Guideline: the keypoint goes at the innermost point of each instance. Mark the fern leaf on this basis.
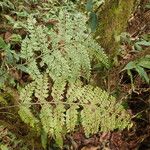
(75, 92)
(46, 116)
(41, 90)
(24, 110)
(71, 117)
(100, 110)
(57, 66)
(97, 53)
(26, 49)
(33, 70)
(64, 59)
(58, 90)
(90, 118)
(59, 122)
(27, 116)
(26, 93)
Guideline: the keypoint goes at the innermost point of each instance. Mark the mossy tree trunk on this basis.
(113, 20)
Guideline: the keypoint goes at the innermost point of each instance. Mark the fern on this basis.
(46, 116)
(41, 91)
(71, 117)
(25, 112)
(95, 102)
(55, 67)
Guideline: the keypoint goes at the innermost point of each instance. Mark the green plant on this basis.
(7, 60)
(139, 66)
(57, 96)
(141, 42)
(6, 4)
(56, 67)
(92, 7)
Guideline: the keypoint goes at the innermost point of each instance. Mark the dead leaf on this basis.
(7, 37)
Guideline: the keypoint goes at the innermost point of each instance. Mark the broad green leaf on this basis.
(2, 43)
(129, 66)
(142, 73)
(144, 43)
(89, 5)
(145, 63)
(137, 47)
(130, 75)
(93, 21)
(131, 78)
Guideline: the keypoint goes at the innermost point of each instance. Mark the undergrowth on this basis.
(57, 60)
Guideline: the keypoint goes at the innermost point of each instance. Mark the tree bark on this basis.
(113, 19)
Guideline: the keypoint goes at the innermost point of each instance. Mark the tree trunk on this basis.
(113, 20)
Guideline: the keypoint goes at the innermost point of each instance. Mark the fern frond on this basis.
(74, 92)
(31, 21)
(75, 33)
(26, 49)
(57, 66)
(90, 118)
(58, 90)
(28, 117)
(100, 110)
(26, 93)
(59, 122)
(97, 53)
(71, 117)
(46, 116)
(24, 110)
(33, 70)
(41, 89)
(62, 61)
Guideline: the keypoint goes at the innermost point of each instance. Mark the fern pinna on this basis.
(56, 59)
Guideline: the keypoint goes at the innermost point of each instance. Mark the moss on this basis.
(112, 22)
(3, 102)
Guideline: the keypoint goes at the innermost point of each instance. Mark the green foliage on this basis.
(58, 62)
(142, 42)
(7, 59)
(56, 66)
(93, 20)
(139, 66)
(6, 4)
(89, 5)
(138, 44)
